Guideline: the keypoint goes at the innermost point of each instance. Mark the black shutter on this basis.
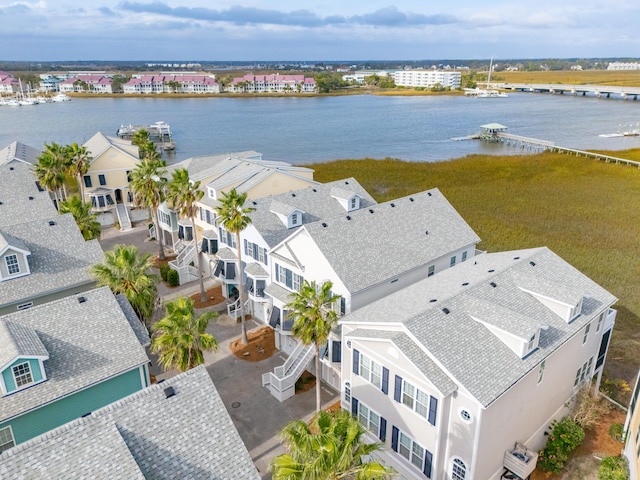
(214, 246)
(231, 271)
(287, 322)
(397, 392)
(428, 460)
(383, 429)
(356, 362)
(204, 246)
(433, 410)
(343, 305)
(275, 316)
(394, 438)
(218, 269)
(336, 351)
(385, 380)
(246, 247)
(260, 286)
(354, 407)
(265, 257)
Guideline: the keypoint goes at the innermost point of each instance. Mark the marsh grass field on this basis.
(629, 78)
(586, 211)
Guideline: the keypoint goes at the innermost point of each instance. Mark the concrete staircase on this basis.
(281, 383)
(186, 253)
(123, 217)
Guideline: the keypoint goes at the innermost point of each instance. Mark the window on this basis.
(368, 418)
(164, 217)
(87, 181)
(102, 179)
(22, 374)
(466, 416)
(586, 334)
(600, 319)
(371, 371)
(404, 445)
(416, 400)
(354, 203)
(294, 219)
(541, 371)
(458, 470)
(6, 439)
(286, 277)
(531, 342)
(432, 270)
(13, 266)
(453, 261)
(129, 176)
(347, 392)
(464, 256)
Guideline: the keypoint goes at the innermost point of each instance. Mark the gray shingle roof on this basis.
(204, 166)
(19, 151)
(146, 435)
(17, 180)
(100, 143)
(372, 245)
(19, 206)
(136, 325)
(60, 258)
(19, 340)
(255, 270)
(468, 352)
(87, 343)
(315, 202)
(276, 291)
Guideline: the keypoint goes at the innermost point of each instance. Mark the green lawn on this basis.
(586, 211)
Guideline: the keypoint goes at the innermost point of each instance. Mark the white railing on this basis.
(281, 371)
(283, 386)
(611, 318)
(186, 273)
(233, 309)
(123, 216)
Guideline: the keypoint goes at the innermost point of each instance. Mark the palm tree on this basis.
(182, 196)
(148, 182)
(79, 161)
(313, 319)
(125, 270)
(235, 218)
(180, 336)
(331, 448)
(50, 169)
(86, 221)
(146, 148)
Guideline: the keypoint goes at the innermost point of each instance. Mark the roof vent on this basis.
(429, 193)
(86, 415)
(324, 225)
(493, 284)
(446, 310)
(30, 197)
(371, 210)
(51, 223)
(348, 217)
(491, 271)
(411, 199)
(465, 284)
(254, 202)
(392, 205)
(346, 183)
(169, 392)
(516, 258)
(82, 299)
(533, 264)
(10, 168)
(433, 300)
(426, 232)
(314, 190)
(0, 203)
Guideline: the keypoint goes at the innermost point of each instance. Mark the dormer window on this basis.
(212, 193)
(22, 375)
(354, 203)
(531, 343)
(294, 219)
(13, 267)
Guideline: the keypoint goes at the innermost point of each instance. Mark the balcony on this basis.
(520, 460)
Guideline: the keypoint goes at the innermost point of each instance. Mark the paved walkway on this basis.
(257, 415)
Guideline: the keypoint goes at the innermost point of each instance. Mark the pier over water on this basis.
(607, 91)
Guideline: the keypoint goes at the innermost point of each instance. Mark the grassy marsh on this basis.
(586, 211)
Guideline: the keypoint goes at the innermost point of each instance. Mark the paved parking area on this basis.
(257, 415)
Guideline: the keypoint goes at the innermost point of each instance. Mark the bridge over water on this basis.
(608, 91)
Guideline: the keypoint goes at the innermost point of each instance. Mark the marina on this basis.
(159, 132)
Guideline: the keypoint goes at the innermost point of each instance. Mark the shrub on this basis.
(173, 279)
(616, 430)
(613, 468)
(566, 435)
(164, 270)
(587, 409)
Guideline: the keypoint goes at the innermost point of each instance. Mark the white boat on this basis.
(486, 92)
(60, 97)
(12, 102)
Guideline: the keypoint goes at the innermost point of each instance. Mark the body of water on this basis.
(317, 129)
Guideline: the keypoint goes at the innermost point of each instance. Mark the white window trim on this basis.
(371, 362)
(17, 264)
(15, 377)
(368, 425)
(462, 416)
(415, 399)
(13, 439)
(586, 333)
(453, 463)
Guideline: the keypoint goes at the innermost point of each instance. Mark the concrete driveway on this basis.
(256, 414)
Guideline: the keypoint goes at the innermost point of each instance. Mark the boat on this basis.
(12, 102)
(486, 92)
(60, 97)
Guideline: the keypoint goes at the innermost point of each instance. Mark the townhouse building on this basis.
(86, 83)
(184, 82)
(65, 359)
(459, 375)
(177, 429)
(8, 83)
(427, 78)
(274, 83)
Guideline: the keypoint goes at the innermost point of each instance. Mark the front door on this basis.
(118, 194)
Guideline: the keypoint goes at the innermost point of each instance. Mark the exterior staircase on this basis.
(186, 254)
(281, 383)
(123, 217)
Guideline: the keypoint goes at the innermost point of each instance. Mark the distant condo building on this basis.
(624, 66)
(360, 75)
(91, 83)
(274, 83)
(426, 78)
(185, 82)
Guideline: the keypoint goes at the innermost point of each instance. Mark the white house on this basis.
(360, 75)
(275, 83)
(184, 82)
(367, 254)
(427, 78)
(632, 433)
(460, 374)
(91, 83)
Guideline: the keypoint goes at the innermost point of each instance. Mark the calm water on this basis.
(316, 129)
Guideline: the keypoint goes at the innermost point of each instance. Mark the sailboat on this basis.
(25, 100)
(487, 92)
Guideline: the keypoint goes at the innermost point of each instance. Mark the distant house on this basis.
(87, 83)
(172, 83)
(106, 184)
(179, 429)
(274, 83)
(632, 432)
(248, 173)
(460, 374)
(8, 84)
(66, 359)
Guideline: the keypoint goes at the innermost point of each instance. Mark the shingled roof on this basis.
(177, 429)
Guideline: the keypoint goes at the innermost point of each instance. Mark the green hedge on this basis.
(164, 270)
(566, 435)
(173, 279)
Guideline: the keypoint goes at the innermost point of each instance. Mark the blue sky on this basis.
(316, 30)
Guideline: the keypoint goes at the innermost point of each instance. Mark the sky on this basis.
(243, 30)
